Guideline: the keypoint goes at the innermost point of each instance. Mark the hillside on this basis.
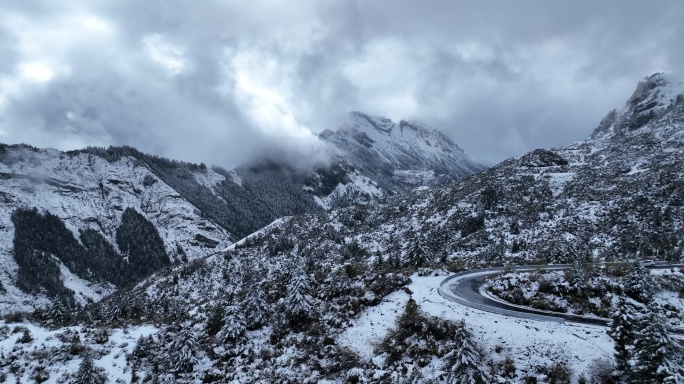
(82, 200)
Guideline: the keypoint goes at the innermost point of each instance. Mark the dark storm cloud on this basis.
(218, 81)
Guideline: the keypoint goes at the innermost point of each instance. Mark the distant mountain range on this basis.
(194, 210)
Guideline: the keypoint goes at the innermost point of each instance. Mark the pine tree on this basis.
(417, 253)
(57, 314)
(379, 262)
(657, 357)
(87, 372)
(233, 324)
(299, 302)
(638, 283)
(184, 351)
(466, 363)
(576, 277)
(394, 261)
(256, 307)
(623, 330)
(215, 320)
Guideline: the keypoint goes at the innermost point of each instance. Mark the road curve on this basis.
(465, 289)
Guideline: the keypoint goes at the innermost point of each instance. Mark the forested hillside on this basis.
(241, 201)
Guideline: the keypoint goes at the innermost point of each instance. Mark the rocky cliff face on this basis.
(87, 192)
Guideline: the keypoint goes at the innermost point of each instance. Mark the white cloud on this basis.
(169, 56)
(263, 89)
(212, 80)
(36, 72)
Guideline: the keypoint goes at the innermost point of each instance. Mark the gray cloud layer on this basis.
(216, 81)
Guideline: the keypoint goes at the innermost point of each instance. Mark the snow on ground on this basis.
(85, 290)
(415, 177)
(235, 177)
(359, 184)
(558, 180)
(124, 342)
(372, 326)
(263, 230)
(48, 350)
(209, 178)
(528, 342)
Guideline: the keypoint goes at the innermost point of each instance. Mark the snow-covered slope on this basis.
(403, 147)
(198, 210)
(87, 192)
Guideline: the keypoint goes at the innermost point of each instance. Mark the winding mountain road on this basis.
(466, 289)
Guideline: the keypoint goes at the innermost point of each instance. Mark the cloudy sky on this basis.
(215, 81)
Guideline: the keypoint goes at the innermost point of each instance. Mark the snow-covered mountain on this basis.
(193, 209)
(349, 295)
(374, 157)
(86, 192)
(345, 295)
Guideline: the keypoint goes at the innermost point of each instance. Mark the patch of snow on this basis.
(358, 185)
(84, 290)
(235, 177)
(415, 177)
(209, 178)
(374, 324)
(557, 181)
(113, 353)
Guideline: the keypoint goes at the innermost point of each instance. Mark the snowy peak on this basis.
(404, 134)
(655, 97)
(373, 156)
(404, 145)
(659, 88)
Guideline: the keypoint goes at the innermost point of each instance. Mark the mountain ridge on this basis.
(196, 210)
(395, 156)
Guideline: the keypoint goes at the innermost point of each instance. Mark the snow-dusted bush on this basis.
(417, 337)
